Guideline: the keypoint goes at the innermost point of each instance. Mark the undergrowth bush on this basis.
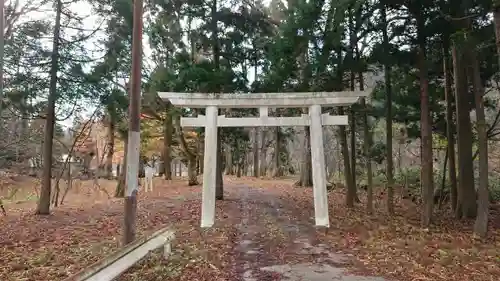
(411, 177)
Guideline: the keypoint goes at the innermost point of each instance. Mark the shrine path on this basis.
(276, 240)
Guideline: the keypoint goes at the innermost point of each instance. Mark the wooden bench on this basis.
(113, 266)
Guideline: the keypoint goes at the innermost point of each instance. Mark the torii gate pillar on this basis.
(318, 167)
(209, 168)
(315, 119)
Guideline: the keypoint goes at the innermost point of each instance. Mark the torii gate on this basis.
(263, 101)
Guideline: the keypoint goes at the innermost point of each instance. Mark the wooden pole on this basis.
(134, 137)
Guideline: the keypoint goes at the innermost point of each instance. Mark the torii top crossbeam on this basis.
(256, 100)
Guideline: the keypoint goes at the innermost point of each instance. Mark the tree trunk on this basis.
(228, 153)
(388, 90)
(496, 20)
(239, 168)
(338, 155)
(263, 153)
(426, 130)
(353, 41)
(201, 153)
(466, 201)
(168, 131)
(246, 164)
(111, 146)
(450, 125)
(305, 74)
(142, 173)
(481, 224)
(443, 182)
(277, 147)
(120, 187)
(351, 190)
(367, 144)
(240, 158)
(192, 175)
(353, 150)
(219, 183)
(305, 179)
(43, 207)
(2, 65)
(255, 151)
(190, 155)
(24, 122)
(399, 159)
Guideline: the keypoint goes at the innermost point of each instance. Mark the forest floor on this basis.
(264, 231)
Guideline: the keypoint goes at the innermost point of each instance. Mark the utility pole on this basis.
(134, 136)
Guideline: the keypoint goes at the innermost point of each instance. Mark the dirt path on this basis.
(278, 240)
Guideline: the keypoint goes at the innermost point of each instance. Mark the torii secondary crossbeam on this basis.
(263, 101)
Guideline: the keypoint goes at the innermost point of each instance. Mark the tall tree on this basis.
(466, 208)
(450, 121)
(388, 120)
(481, 224)
(219, 183)
(43, 207)
(425, 119)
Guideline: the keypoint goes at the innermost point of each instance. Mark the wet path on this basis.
(274, 243)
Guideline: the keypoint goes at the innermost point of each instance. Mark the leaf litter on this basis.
(56, 246)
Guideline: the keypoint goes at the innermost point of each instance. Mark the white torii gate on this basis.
(264, 101)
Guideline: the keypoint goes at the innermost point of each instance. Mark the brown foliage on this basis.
(80, 233)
